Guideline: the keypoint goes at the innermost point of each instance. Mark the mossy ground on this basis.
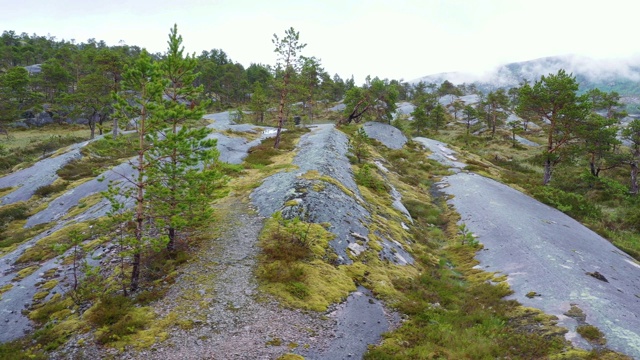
(453, 310)
(601, 203)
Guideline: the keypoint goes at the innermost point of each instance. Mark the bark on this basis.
(548, 167)
(634, 178)
(592, 167)
(140, 185)
(171, 245)
(92, 125)
(493, 124)
(283, 96)
(355, 114)
(171, 231)
(135, 272)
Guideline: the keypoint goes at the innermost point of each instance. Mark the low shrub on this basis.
(591, 334)
(46, 190)
(366, 177)
(116, 317)
(109, 310)
(572, 204)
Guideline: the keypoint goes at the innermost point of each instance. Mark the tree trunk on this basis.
(283, 96)
(140, 185)
(135, 271)
(92, 126)
(171, 245)
(100, 121)
(634, 178)
(171, 231)
(592, 167)
(493, 124)
(548, 167)
(115, 127)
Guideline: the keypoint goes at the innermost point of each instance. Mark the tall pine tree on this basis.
(182, 177)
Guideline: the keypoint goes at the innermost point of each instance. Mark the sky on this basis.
(399, 39)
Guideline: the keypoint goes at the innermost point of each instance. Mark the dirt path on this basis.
(217, 290)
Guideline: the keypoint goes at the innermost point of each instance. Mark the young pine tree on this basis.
(288, 65)
(182, 177)
(142, 80)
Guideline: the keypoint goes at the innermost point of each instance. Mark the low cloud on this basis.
(591, 68)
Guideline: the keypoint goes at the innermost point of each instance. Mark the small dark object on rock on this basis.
(532, 294)
(598, 276)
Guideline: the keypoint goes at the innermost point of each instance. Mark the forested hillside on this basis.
(72, 81)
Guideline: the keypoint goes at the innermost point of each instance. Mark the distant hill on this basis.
(621, 75)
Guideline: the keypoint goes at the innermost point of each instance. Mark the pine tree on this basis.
(288, 64)
(143, 80)
(438, 117)
(420, 120)
(183, 175)
(555, 98)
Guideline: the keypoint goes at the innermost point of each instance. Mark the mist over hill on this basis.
(621, 75)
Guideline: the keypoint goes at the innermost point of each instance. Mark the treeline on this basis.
(75, 80)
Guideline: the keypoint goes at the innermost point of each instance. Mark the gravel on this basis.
(233, 320)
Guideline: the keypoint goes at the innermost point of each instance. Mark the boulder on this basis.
(388, 135)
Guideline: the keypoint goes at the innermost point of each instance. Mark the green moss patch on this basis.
(292, 267)
(44, 248)
(25, 272)
(592, 334)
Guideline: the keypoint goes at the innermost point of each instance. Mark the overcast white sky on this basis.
(399, 39)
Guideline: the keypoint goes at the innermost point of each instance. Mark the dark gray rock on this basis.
(388, 135)
(40, 174)
(543, 250)
(40, 119)
(361, 321)
(317, 200)
(338, 108)
(334, 199)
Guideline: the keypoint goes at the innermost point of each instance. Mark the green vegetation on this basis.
(98, 156)
(263, 154)
(453, 310)
(591, 334)
(294, 264)
(44, 191)
(116, 317)
(35, 149)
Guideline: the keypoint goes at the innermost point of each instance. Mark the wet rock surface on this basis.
(360, 321)
(527, 142)
(441, 153)
(388, 135)
(542, 250)
(317, 200)
(232, 150)
(40, 174)
(235, 320)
